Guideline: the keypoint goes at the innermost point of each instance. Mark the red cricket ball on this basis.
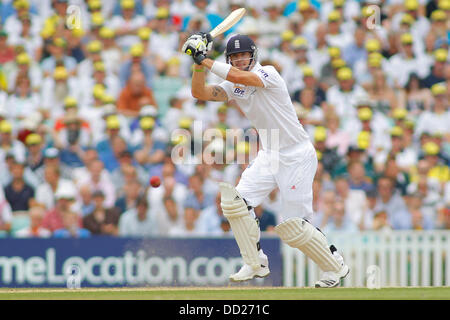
(155, 181)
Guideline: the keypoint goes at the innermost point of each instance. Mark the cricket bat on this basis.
(228, 22)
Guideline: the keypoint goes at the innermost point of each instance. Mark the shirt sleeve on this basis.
(269, 76)
(227, 86)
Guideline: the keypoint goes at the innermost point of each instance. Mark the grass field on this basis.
(228, 293)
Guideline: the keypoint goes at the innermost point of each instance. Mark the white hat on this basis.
(65, 190)
(148, 111)
(109, 109)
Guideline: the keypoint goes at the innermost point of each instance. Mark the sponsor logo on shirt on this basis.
(265, 74)
(239, 91)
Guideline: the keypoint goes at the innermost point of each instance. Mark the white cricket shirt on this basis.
(269, 109)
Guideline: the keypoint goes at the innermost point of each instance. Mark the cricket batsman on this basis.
(289, 162)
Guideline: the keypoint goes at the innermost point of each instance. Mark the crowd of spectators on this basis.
(95, 99)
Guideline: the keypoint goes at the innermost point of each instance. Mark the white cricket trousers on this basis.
(292, 170)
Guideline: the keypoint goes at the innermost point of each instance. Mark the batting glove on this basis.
(195, 47)
(207, 39)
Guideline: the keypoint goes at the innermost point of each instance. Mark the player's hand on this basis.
(195, 47)
(207, 39)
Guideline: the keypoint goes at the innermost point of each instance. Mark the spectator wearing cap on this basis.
(7, 52)
(344, 95)
(310, 16)
(8, 143)
(35, 151)
(379, 87)
(128, 103)
(138, 221)
(72, 140)
(372, 120)
(102, 221)
(52, 158)
(24, 31)
(147, 111)
(111, 53)
(391, 149)
(101, 127)
(101, 77)
(337, 36)
(284, 52)
(311, 82)
(24, 66)
(127, 23)
(391, 201)
(147, 124)
(373, 60)
(293, 73)
(439, 26)
(438, 118)
(11, 9)
(136, 62)
(71, 107)
(358, 151)
(163, 40)
(149, 152)
(18, 193)
(329, 156)
(421, 24)
(93, 50)
(96, 22)
(415, 97)
(402, 64)
(439, 171)
(348, 9)
(55, 89)
(437, 72)
(45, 192)
(58, 57)
(35, 229)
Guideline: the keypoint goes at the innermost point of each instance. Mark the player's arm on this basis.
(205, 92)
(234, 75)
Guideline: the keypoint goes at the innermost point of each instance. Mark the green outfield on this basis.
(229, 293)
